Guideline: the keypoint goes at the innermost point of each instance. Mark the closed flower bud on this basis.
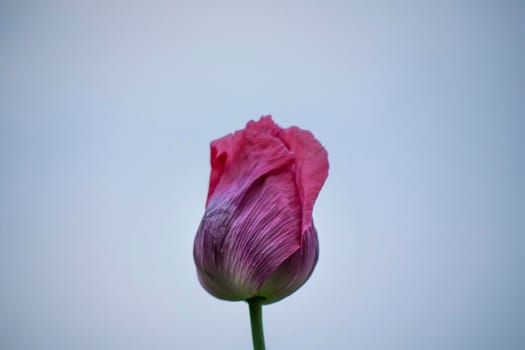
(257, 237)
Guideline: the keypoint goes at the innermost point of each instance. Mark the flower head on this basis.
(257, 237)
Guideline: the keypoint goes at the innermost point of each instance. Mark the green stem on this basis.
(256, 322)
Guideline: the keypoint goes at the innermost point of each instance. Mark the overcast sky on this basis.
(107, 109)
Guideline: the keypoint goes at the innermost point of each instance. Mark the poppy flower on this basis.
(257, 238)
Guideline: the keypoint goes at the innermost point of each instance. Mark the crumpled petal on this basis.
(238, 159)
(294, 271)
(311, 168)
(244, 236)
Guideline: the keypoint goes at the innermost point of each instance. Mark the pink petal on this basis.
(311, 168)
(245, 236)
(294, 271)
(240, 158)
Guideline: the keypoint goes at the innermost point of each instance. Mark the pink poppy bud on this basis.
(257, 237)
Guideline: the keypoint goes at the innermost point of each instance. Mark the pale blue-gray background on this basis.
(106, 112)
